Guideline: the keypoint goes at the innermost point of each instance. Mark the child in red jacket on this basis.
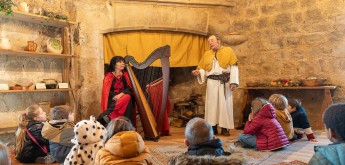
(262, 130)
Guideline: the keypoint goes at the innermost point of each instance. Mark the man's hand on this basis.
(196, 72)
(233, 87)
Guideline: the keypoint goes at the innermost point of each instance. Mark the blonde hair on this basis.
(60, 112)
(278, 101)
(24, 118)
(4, 160)
(119, 124)
(257, 104)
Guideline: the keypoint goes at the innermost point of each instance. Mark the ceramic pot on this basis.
(5, 43)
(54, 46)
(50, 83)
(23, 7)
(31, 46)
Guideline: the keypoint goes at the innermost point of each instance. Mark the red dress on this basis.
(111, 87)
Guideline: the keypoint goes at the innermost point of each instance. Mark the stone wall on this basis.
(286, 39)
(291, 39)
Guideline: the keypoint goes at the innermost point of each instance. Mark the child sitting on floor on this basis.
(30, 146)
(200, 139)
(203, 146)
(300, 120)
(89, 138)
(123, 145)
(333, 119)
(59, 132)
(4, 159)
(262, 130)
(283, 116)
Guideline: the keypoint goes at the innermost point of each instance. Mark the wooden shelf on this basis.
(37, 90)
(33, 54)
(38, 19)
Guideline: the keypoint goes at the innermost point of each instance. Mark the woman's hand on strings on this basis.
(118, 96)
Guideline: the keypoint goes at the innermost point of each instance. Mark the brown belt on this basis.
(224, 78)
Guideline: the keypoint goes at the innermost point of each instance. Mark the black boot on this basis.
(215, 130)
(225, 132)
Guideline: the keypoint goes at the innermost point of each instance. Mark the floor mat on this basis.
(299, 152)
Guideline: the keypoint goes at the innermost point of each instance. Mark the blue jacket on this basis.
(212, 147)
(332, 154)
(300, 119)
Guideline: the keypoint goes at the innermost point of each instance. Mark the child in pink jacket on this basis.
(262, 131)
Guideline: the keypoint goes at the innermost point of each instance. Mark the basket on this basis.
(313, 82)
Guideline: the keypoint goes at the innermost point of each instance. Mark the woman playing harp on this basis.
(116, 97)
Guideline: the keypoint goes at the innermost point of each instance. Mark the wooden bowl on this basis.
(17, 87)
(313, 82)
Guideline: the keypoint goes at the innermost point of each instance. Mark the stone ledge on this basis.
(206, 3)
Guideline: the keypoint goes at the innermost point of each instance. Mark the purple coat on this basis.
(268, 131)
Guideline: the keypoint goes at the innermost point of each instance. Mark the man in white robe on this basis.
(215, 68)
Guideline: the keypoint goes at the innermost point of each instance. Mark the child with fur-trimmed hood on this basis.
(59, 132)
(203, 146)
(89, 138)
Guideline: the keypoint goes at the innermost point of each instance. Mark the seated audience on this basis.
(89, 138)
(203, 146)
(4, 159)
(333, 119)
(30, 146)
(262, 130)
(283, 116)
(123, 145)
(59, 132)
(300, 120)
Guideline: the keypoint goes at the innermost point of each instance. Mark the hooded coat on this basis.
(285, 120)
(89, 138)
(124, 148)
(59, 133)
(327, 155)
(270, 135)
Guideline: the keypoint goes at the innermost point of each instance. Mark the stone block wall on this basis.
(291, 39)
(286, 39)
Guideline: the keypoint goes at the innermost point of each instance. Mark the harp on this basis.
(149, 123)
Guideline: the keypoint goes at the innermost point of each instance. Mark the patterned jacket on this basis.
(89, 138)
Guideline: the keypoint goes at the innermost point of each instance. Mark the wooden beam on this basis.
(194, 3)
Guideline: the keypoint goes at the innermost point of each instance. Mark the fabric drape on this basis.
(186, 49)
(155, 91)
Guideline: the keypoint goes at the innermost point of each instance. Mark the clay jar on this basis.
(23, 7)
(31, 46)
